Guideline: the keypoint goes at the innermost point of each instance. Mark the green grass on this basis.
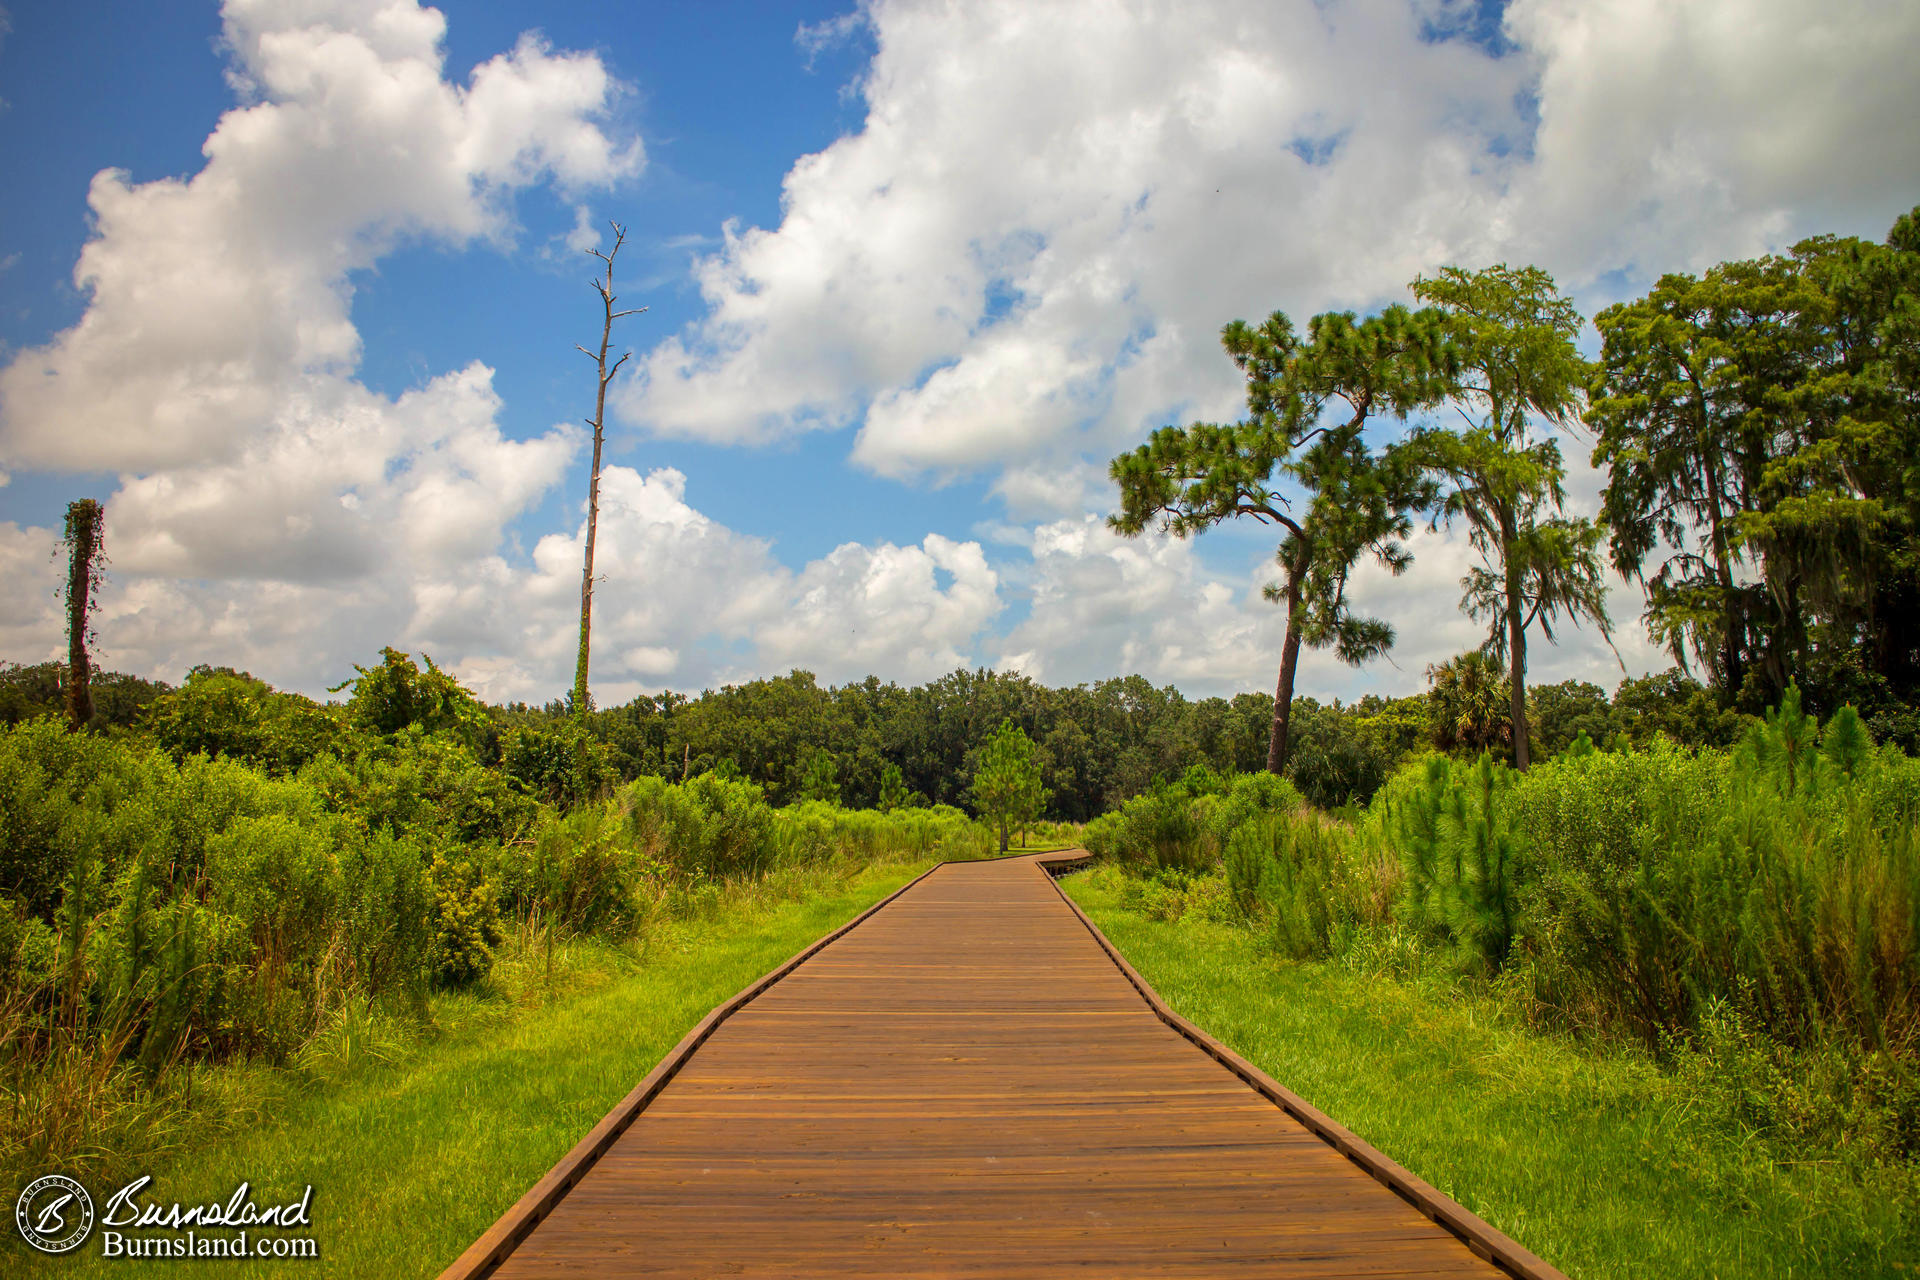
(410, 1160)
(1595, 1159)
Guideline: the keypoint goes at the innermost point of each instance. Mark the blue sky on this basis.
(912, 276)
(726, 101)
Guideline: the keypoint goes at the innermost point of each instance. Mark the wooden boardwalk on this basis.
(968, 1084)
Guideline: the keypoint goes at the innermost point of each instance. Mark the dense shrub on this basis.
(466, 921)
(427, 786)
(1183, 826)
(221, 712)
(1632, 889)
(1157, 830)
(1338, 758)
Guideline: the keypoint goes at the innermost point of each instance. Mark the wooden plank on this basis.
(484, 1255)
(971, 1083)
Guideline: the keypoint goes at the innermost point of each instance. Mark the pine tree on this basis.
(1308, 403)
(1512, 336)
(893, 789)
(1006, 785)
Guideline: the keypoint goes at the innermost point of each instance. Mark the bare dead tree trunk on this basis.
(84, 522)
(597, 422)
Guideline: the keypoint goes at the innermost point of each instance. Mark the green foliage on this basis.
(1760, 421)
(1469, 703)
(1159, 830)
(1845, 743)
(1512, 335)
(1188, 479)
(1006, 783)
(820, 781)
(119, 700)
(559, 763)
(1174, 830)
(426, 787)
(1342, 758)
(1462, 863)
(709, 827)
(1248, 796)
(466, 922)
(1560, 713)
(893, 790)
(397, 696)
(1672, 704)
(1287, 869)
(222, 712)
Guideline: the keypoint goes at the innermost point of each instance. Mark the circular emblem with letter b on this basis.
(54, 1214)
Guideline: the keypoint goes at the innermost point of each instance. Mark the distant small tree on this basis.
(893, 789)
(1006, 786)
(821, 781)
(85, 558)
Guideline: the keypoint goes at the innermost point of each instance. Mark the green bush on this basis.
(1338, 758)
(1247, 797)
(560, 764)
(580, 871)
(1160, 830)
(221, 712)
(710, 826)
(386, 911)
(466, 922)
(428, 787)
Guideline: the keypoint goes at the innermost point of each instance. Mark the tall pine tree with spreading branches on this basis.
(1309, 403)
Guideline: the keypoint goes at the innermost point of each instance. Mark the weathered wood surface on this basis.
(967, 1084)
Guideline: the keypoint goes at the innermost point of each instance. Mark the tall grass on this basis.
(157, 914)
(1727, 1160)
(1756, 909)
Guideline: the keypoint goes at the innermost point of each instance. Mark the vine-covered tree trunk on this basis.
(83, 544)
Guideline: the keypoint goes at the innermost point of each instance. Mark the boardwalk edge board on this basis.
(1479, 1236)
(486, 1254)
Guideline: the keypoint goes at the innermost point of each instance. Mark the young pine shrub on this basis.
(1779, 881)
(1294, 872)
(1462, 870)
(581, 872)
(807, 834)
(1248, 854)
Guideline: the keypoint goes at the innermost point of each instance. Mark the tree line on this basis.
(875, 744)
(1757, 425)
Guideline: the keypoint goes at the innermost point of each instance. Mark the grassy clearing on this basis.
(413, 1149)
(1596, 1159)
